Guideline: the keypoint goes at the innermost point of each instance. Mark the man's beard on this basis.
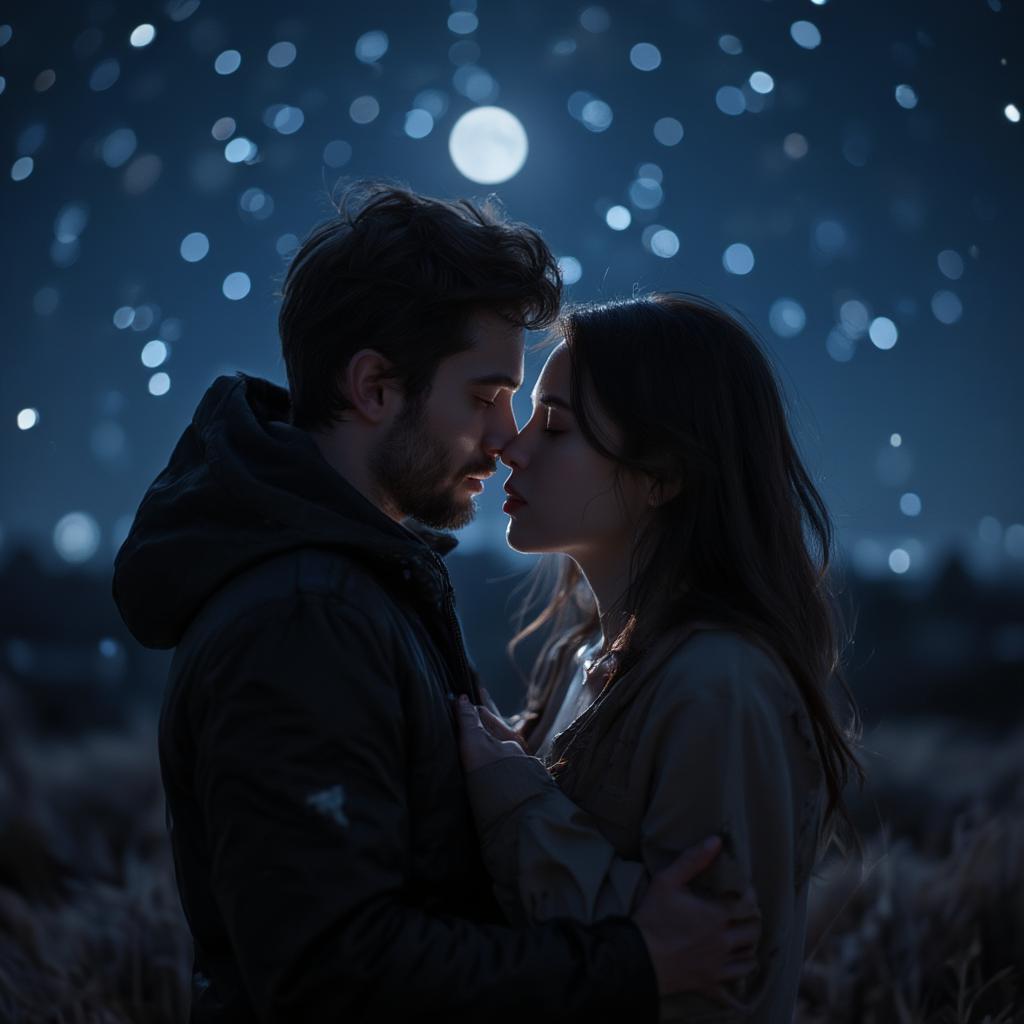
(412, 470)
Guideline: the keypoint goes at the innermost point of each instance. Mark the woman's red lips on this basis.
(515, 500)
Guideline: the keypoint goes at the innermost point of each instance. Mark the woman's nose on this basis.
(514, 453)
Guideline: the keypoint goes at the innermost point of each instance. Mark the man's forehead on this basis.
(495, 353)
(485, 328)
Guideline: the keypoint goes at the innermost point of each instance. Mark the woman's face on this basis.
(562, 492)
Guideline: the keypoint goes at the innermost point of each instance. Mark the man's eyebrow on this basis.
(500, 380)
(554, 400)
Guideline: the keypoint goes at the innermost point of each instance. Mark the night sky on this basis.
(847, 175)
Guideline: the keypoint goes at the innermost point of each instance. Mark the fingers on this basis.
(471, 731)
(693, 861)
(487, 701)
(497, 727)
(477, 746)
(745, 908)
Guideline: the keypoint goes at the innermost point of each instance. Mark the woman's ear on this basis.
(374, 395)
(663, 490)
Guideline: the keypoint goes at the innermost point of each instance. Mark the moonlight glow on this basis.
(488, 145)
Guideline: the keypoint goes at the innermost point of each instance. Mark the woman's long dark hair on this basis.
(746, 541)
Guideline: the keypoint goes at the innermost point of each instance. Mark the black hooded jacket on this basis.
(324, 848)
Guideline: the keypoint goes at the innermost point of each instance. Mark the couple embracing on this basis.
(358, 834)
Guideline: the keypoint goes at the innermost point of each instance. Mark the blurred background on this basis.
(847, 176)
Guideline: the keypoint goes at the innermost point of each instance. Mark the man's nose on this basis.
(501, 431)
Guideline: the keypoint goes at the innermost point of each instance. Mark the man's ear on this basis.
(374, 395)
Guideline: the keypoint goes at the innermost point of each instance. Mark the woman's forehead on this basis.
(554, 375)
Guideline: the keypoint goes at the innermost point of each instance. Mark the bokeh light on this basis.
(142, 35)
(646, 193)
(906, 97)
(227, 62)
(282, 54)
(571, 269)
(794, 145)
(463, 23)
(595, 19)
(236, 285)
(664, 242)
(76, 537)
(28, 418)
(951, 264)
(118, 147)
(730, 100)
(899, 560)
(371, 46)
(738, 258)
(364, 109)
(154, 353)
(104, 75)
(645, 57)
(787, 318)
(947, 307)
(22, 168)
(805, 34)
(910, 504)
(668, 131)
(194, 247)
(596, 115)
(337, 153)
(883, 332)
(418, 123)
(239, 149)
(618, 218)
(159, 384)
(223, 128)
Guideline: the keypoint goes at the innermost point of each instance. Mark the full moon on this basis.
(488, 145)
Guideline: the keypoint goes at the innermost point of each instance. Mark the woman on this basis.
(682, 688)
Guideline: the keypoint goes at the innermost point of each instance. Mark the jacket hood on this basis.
(241, 486)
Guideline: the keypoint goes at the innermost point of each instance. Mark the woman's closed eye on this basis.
(552, 426)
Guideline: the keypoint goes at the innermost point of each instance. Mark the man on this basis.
(324, 849)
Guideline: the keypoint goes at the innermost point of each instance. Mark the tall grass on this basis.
(928, 930)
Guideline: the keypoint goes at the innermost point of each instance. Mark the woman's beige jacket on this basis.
(706, 734)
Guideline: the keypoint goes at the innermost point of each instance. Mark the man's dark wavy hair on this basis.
(401, 273)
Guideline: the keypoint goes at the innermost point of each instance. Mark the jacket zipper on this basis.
(456, 631)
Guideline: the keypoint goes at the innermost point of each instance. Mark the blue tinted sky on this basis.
(874, 178)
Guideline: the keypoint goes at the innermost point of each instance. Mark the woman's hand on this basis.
(484, 737)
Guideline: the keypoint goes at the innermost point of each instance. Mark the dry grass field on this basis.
(929, 928)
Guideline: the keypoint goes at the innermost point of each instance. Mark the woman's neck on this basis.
(608, 579)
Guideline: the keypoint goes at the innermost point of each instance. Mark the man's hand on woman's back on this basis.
(697, 944)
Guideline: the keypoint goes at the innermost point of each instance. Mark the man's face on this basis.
(442, 446)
